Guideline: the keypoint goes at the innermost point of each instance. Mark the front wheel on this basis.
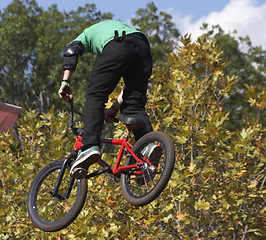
(140, 187)
(52, 212)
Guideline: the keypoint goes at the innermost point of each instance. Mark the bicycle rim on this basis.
(54, 213)
(142, 187)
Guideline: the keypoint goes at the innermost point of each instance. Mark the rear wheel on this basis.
(52, 213)
(140, 187)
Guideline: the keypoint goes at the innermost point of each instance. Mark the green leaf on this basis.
(202, 205)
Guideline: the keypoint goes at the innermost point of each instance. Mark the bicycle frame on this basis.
(63, 195)
(122, 142)
(115, 171)
(125, 146)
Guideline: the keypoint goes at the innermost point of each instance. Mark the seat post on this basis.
(128, 131)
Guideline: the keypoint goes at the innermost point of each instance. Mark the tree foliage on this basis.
(217, 188)
(33, 40)
(159, 28)
(218, 170)
(249, 64)
(17, 33)
(202, 92)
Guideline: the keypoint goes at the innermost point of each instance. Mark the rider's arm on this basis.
(64, 91)
(113, 110)
(70, 60)
(117, 103)
(67, 74)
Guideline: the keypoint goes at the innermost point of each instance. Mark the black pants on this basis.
(130, 59)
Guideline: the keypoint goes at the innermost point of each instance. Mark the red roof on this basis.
(8, 116)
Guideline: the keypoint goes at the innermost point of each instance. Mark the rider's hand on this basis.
(110, 114)
(65, 93)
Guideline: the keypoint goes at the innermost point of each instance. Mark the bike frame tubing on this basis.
(125, 145)
(61, 174)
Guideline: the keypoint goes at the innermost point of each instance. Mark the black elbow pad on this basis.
(75, 48)
(71, 54)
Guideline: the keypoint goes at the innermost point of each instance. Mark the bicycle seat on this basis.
(131, 121)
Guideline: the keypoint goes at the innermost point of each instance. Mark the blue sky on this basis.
(124, 10)
(247, 16)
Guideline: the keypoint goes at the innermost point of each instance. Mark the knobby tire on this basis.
(39, 194)
(142, 190)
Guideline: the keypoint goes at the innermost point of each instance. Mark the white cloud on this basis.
(245, 16)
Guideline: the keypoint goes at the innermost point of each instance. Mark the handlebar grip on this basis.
(62, 93)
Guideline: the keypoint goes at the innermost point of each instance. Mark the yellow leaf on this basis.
(202, 204)
(169, 207)
(218, 211)
(93, 229)
(191, 167)
(110, 214)
(64, 231)
(71, 236)
(108, 104)
(166, 219)
(180, 216)
(254, 184)
(181, 140)
(17, 197)
(206, 180)
(113, 227)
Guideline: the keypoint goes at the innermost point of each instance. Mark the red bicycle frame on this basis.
(125, 145)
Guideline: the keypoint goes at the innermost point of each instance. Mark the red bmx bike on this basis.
(55, 199)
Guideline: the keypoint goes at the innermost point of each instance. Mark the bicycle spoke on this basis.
(57, 208)
(142, 184)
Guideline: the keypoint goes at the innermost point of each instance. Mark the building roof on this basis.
(8, 116)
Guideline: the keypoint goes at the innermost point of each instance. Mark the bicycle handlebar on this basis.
(71, 116)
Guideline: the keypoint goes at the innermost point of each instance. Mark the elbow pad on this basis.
(71, 54)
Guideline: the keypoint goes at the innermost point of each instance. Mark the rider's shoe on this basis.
(153, 153)
(84, 160)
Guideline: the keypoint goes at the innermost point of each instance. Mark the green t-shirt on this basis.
(98, 35)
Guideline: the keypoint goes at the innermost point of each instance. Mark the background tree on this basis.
(217, 187)
(249, 64)
(159, 29)
(34, 39)
(18, 36)
(31, 53)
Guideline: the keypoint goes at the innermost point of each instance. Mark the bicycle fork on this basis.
(66, 163)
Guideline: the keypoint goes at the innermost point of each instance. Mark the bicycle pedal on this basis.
(79, 173)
